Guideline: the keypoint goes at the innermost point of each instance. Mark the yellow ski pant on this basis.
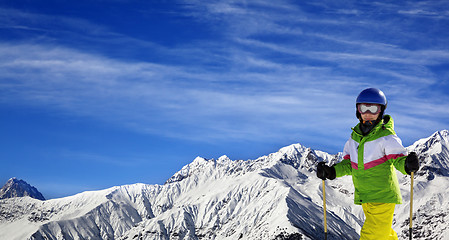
(378, 221)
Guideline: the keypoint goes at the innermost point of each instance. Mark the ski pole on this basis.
(411, 207)
(324, 208)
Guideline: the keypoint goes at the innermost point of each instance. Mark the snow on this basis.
(276, 196)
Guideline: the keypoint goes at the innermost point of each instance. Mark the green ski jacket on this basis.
(372, 160)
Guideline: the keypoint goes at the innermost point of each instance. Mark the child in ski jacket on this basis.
(370, 156)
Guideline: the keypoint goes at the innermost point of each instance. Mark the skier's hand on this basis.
(323, 171)
(411, 163)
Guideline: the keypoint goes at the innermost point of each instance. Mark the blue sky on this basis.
(100, 93)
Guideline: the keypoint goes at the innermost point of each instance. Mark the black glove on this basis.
(411, 163)
(323, 171)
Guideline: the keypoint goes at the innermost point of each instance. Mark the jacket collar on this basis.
(385, 123)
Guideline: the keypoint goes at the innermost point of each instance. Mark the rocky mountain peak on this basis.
(433, 154)
(19, 188)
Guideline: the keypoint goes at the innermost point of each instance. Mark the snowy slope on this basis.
(260, 199)
(104, 214)
(431, 192)
(273, 197)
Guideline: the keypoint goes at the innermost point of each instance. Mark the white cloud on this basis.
(240, 85)
(149, 96)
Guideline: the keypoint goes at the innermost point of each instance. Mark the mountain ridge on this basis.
(276, 196)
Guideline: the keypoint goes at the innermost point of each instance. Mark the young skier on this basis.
(371, 155)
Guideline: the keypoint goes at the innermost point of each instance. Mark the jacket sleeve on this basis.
(344, 167)
(396, 152)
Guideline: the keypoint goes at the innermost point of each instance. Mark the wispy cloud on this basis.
(240, 85)
(146, 95)
(434, 9)
(51, 25)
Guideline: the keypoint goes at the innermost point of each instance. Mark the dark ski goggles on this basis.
(371, 108)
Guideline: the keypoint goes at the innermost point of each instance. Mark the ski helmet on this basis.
(374, 96)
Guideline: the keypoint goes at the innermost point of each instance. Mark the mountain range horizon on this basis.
(276, 196)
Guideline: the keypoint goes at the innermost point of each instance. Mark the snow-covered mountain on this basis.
(19, 188)
(273, 197)
(431, 190)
